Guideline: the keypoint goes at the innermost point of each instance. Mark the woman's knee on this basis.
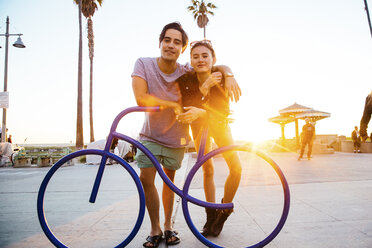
(236, 170)
(208, 169)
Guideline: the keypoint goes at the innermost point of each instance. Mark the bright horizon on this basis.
(315, 53)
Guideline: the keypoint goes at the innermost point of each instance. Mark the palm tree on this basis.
(201, 9)
(88, 9)
(79, 120)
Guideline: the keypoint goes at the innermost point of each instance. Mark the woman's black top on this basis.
(216, 103)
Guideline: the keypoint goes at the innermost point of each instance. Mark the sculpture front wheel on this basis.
(104, 155)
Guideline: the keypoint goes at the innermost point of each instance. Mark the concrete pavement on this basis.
(331, 204)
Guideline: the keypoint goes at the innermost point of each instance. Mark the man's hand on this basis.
(176, 108)
(191, 114)
(233, 89)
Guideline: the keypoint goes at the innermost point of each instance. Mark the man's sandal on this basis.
(171, 237)
(153, 241)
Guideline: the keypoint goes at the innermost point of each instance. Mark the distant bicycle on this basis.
(106, 154)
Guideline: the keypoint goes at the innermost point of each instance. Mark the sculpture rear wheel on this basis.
(269, 161)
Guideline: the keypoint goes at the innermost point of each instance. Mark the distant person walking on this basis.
(366, 117)
(355, 135)
(10, 138)
(307, 138)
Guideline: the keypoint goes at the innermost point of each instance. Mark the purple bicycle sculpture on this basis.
(106, 154)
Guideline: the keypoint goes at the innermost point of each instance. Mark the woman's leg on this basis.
(223, 137)
(208, 171)
(233, 162)
(209, 186)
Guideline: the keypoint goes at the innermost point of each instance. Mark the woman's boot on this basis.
(211, 217)
(222, 215)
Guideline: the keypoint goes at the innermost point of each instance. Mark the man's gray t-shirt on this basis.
(162, 127)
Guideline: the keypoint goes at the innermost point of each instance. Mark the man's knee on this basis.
(147, 178)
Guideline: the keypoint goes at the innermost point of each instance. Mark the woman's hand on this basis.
(214, 79)
(191, 114)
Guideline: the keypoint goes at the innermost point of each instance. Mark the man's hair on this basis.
(176, 26)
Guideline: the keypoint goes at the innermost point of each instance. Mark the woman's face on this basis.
(202, 59)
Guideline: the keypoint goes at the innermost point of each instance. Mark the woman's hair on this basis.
(204, 44)
(176, 26)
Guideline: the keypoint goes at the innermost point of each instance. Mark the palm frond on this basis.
(212, 6)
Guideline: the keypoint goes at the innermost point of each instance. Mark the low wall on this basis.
(347, 146)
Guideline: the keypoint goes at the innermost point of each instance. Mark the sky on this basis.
(317, 53)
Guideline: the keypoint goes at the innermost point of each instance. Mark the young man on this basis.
(153, 82)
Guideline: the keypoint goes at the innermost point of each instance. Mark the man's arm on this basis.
(232, 87)
(366, 118)
(140, 91)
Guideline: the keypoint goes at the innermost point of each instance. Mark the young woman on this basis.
(207, 105)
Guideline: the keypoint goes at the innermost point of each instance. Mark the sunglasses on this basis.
(207, 42)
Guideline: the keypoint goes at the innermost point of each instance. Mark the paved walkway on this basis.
(331, 205)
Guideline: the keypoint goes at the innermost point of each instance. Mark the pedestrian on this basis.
(355, 136)
(206, 105)
(153, 82)
(366, 117)
(10, 138)
(307, 138)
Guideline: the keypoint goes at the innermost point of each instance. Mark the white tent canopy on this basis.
(120, 150)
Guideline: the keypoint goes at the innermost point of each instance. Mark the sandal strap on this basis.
(169, 235)
(154, 240)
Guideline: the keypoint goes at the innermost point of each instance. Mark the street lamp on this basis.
(18, 44)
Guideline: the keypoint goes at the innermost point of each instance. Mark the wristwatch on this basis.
(229, 74)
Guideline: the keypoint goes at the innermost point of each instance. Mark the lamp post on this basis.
(18, 44)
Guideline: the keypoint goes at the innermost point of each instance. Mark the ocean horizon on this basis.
(48, 145)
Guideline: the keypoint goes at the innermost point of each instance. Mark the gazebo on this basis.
(313, 115)
(295, 112)
(282, 121)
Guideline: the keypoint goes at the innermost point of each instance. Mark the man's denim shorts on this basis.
(170, 158)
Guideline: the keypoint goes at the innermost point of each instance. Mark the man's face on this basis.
(171, 45)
